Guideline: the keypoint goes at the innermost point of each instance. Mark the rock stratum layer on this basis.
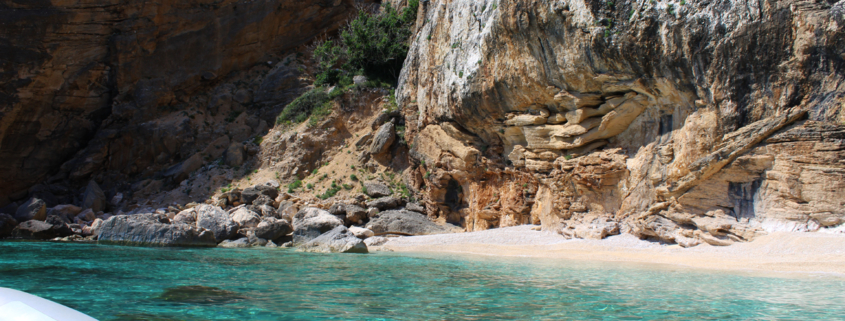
(683, 122)
(89, 87)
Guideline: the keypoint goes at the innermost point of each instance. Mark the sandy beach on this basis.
(776, 253)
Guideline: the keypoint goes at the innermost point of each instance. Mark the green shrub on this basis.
(347, 187)
(295, 184)
(364, 189)
(374, 44)
(301, 108)
(309, 186)
(353, 178)
(427, 175)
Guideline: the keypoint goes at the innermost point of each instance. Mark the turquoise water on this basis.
(133, 283)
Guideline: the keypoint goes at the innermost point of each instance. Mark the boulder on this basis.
(383, 138)
(153, 230)
(96, 225)
(311, 222)
(360, 232)
(40, 230)
(250, 194)
(337, 240)
(7, 224)
(87, 215)
(385, 203)
(355, 213)
(214, 219)
(408, 222)
(239, 243)
(66, 210)
(94, 198)
(263, 200)
(246, 218)
(286, 210)
(272, 228)
(255, 240)
(33, 209)
(415, 207)
(235, 155)
(376, 241)
(377, 189)
(188, 216)
(266, 210)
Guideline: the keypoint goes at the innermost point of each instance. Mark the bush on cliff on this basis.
(374, 44)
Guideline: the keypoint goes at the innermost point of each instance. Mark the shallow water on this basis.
(133, 283)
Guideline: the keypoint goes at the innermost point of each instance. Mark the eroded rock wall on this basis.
(684, 122)
(107, 76)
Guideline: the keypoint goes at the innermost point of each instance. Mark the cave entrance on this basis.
(453, 197)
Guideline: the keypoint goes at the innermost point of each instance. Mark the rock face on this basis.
(595, 118)
(214, 219)
(103, 74)
(337, 240)
(152, 230)
(408, 222)
(310, 223)
(94, 198)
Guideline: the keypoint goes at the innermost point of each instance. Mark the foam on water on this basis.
(132, 283)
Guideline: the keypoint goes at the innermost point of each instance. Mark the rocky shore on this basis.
(256, 216)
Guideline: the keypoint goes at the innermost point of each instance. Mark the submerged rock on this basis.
(239, 243)
(338, 240)
(198, 294)
(153, 229)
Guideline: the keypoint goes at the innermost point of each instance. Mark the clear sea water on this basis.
(135, 283)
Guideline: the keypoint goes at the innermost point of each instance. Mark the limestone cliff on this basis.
(679, 121)
(95, 84)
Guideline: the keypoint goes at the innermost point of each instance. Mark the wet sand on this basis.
(779, 253)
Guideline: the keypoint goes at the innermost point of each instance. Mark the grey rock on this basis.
(377, 189)
(384, 137)
(152, 230)
(359, 80)
(385, 203)
(94, 198)
(266, 210)
(7, 224)
(376, 241)
(360, 232)
(272, 228)
(239, 243)
(250, 194)
(415, 207)
(355, 213)
(246, 218)
(33, 209)
(262, 200)
(337, 240)
(310, 223)
(408, 222)
(364, 141)
(372, 212)
(380, 120)
(214, 219)
(338, 209)
(286, 210)
(87, 215)
(255, 240)
(40, 230)
(188, 216)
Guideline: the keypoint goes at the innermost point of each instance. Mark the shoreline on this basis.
(776, 254)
